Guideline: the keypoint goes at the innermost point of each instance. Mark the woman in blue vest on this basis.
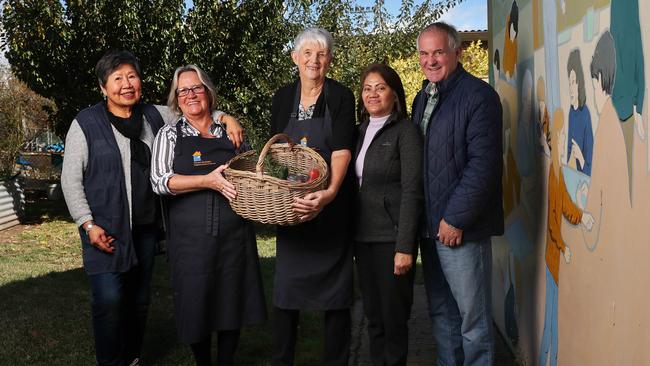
(105, 180)
(215, 269)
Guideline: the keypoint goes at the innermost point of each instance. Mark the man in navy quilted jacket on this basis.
(460, 118)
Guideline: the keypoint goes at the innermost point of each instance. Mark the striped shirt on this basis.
(162, 156)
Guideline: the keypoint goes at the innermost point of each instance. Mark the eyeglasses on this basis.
(196, 89)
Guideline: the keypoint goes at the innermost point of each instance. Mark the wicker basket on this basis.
(267, 199)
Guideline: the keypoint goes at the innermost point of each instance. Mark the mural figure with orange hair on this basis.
(510, 46)
(559, 205)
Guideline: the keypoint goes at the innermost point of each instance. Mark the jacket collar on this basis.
(448, 83)
(364, 126)
(391, 119)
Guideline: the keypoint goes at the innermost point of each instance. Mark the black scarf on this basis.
(131, 128)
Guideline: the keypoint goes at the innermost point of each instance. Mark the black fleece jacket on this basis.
(390, 199)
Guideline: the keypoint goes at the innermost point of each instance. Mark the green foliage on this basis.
(244, 45)
(241, 45)
(475, 60)
(22, 112)
(53, 46)
(409, 70)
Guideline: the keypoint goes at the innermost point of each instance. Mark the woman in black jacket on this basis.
(388, 166)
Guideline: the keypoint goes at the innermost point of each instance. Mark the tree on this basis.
(53, 46)
(475, 60)
(244, 45)
(21, 111)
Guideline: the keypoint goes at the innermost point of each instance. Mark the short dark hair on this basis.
(112, 60)
(603, 62)
(575, 64)
(514, 17)
(392, 79)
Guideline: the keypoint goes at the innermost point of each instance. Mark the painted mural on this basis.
(571, 280)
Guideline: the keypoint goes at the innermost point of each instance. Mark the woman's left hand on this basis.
(216, 181)
(312, 204)
(234, 130)
(403, 263)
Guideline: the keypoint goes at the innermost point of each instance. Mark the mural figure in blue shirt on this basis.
(580, 140)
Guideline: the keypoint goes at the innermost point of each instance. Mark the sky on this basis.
(468, 15)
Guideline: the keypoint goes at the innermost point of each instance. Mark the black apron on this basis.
(314, 259)
(215, 269)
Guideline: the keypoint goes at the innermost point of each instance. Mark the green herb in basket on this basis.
(275, 169)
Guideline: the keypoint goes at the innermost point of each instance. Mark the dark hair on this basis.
(497, 62)
(514, 17)
(112, 60)
(393, 81)
(603, 62)
(575, 64)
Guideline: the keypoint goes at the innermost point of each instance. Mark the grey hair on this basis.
(603, 62)
(316, 35)
(450, 30)
(172, 100)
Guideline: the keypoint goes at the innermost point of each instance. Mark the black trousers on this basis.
(387, 300)
(338, 328)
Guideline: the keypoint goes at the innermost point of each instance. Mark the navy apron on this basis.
(314, 259)
(215, 270)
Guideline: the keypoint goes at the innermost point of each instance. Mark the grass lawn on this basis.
(45, 301)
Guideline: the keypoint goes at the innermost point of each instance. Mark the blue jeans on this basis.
(120, 303)
(549, 337)
(458, 284)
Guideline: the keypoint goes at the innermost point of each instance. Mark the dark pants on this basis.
(227, 341)
(120, 305)
(338, 328)
(387, 300)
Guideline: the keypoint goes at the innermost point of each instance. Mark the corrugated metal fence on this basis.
(12, 203)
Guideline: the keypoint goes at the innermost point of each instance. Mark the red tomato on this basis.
(313, 174)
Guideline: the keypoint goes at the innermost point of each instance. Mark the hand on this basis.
(638, 123)
(567, 255)
(100, 240)
(576, 153)
(449, 235)
(403, 263)
(312, 204)
(234, 130)
(216, 181)
(587, 220)
(581, 194)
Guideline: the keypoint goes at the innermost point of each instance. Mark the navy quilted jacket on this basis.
(462, 156)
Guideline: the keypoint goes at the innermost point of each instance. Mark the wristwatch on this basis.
(89, 227)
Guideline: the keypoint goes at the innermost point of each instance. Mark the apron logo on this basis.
(303, 141)
(196, 157)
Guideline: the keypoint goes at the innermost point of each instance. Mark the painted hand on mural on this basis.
(587, 220)
(567, 255)
(576, 153)
(581, 195)
(449, 235)
(638, 123)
